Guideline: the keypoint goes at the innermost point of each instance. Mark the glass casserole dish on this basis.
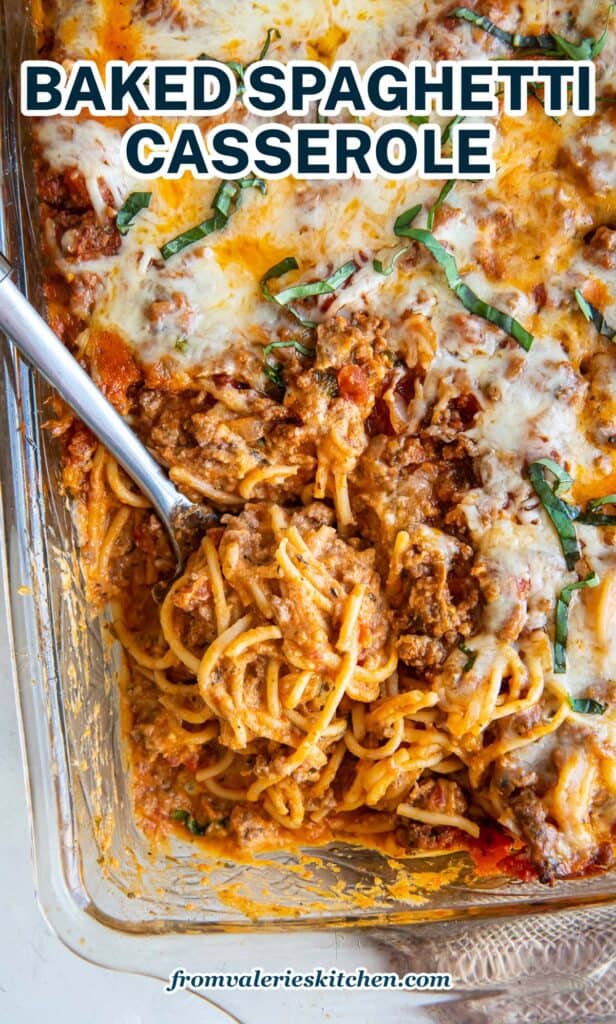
(98, 876)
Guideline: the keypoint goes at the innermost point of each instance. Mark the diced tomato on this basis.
(353, 384)
(113, 367)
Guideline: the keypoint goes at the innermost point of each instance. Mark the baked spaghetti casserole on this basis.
(400, 630)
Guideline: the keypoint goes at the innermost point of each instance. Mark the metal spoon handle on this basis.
(40, 346)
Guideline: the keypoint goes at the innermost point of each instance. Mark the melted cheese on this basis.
(335, 221)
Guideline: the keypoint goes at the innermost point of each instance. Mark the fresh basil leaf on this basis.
(595, 503)
(467, 296)
(189, 822)
(224, 205)
(403, 223)
(561, 631)
(589, 48)
(444, 258)
(186, 238)
(134, 203)
(249, 182)
(471, 657)
(303, 291)
(272, 33)
(229, 195)
(495, 316)
(446, 132)
(293, 343)
(564, 480)
(273, 372)
(440, 199)
(560, 512)
(311, 288)
(224, 198)
(516, 41)
(590, 516)
(551, 44)
(594, 316)
(418, 119)
(234, 66)
(278, 270)
(179, 815)
(534, 89)
(586, 706)
(388, 268)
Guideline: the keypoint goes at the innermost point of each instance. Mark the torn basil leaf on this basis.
(471, 657)
(594, 316)
(560, 512)
(311, 288)
(608, 499)
(440, 199)
(135, 202)
(591, 517)
(186, 238)
(223, 200)
(278, 270)
(224, 204)
(403, 223)
(273, 372)
(189, 822)
(467, 296)
(561, 631)
(293, 343)
(272, 33)
(550, 44)
(303, 291)
(564, 480)
(446, 132)
(234, 66)
(588, 48)
(388, 268)
(515, 40)
(586, 706)
(533, 88)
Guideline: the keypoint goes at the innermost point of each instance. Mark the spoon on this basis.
(184, 520)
